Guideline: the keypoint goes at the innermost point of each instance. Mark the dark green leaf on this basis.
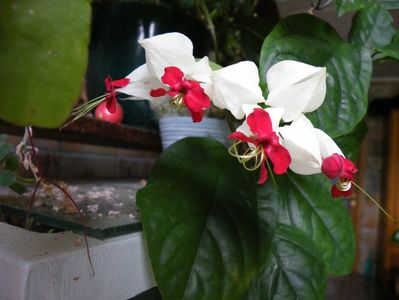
(350, 143)
(43, 59)
(4, 150)
(349, 68)
(211, 231)
(390, 51)
(6, 177)
(18, 187)
(290, 251)
(12, 162)
(372, 27)
(3, 138)
(305, 203)
(343, 6)
(390, 4)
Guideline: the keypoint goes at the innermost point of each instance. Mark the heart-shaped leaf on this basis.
(211, 232)
(349, 69)
(43, 59)
(372, 27)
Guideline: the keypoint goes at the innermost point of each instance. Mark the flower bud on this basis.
(333, 166)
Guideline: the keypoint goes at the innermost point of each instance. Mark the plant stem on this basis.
(211, 27)
(271, 174)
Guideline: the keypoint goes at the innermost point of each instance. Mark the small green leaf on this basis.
(4, 150)
(343, 6)
(18, 187)
(310, 40)
(6, 177)
(372, 27)
(12, 162)
(390, 4)
(43, 59)
(390, 51)
(214, 66)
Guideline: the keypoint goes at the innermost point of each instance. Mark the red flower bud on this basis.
(333, 166)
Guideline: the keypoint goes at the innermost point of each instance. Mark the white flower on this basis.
(165, 50)
(308, 146)
(295, 86)
(236, 85)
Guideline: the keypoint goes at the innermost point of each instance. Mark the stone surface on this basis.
(47, 266)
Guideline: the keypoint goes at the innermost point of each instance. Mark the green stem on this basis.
(271, 174)
(211, 27)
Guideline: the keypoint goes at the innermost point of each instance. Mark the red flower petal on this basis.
(335, 192)
(333, 166)
(120, 82)
(111, 102)
(173, 77)
(173, 93)
(262, 174)
(260, 124)
(280, 158)
(239, 136)
(108, 83)
(158, 92)
(196, 101)
(349, 170)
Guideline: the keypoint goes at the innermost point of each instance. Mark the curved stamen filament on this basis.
(177, 101)
(86, 107)
(375, 202)
(252, 158)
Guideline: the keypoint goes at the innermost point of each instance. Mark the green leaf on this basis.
(343, 6)
(390, 4)
(350, 143)
(390, 51)
(12, 162)
(18, 187)
(6, 177)
(5, 149)
(305, 203)
(372, 26)
(3, 138)
(313, 41)
(290, 251)
(43, 58)
(212, 233)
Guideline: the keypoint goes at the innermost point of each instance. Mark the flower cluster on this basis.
(275, 130)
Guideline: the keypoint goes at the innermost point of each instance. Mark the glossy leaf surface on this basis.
(348, 66)
(207, 240)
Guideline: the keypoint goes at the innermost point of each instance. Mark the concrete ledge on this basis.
(51, 266)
